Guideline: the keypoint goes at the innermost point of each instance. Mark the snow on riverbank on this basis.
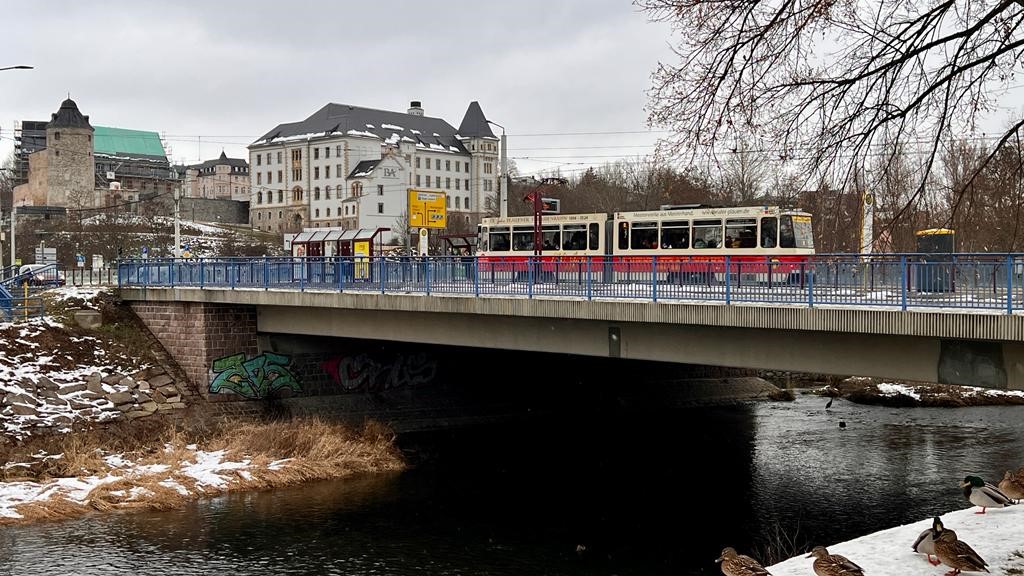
(998, 536)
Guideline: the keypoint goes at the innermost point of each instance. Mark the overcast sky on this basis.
(230, 71)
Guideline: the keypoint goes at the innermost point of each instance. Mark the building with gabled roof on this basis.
(222, 178)
(352, 167)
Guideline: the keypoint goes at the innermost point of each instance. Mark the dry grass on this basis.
(314, 449)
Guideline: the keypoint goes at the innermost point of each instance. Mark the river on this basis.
(604, 493)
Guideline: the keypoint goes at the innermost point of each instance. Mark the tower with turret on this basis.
(71, 169)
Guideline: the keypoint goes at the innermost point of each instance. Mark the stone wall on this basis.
(216, 210)
(197, 334)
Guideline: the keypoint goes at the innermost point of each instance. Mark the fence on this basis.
(901, 281)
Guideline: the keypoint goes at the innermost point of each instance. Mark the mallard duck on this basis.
(826, 564)
(981, 493)
(925, 544)
(734, 564)
(1012, 487)
(955, 553)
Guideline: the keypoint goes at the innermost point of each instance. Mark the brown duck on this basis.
(734, 564)
(826, 564)
(1011, 486)
(955, 553)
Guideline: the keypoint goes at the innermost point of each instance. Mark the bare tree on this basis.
(744, 172)
(830, 82)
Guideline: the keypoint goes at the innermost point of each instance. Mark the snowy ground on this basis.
(998, 536)
(202, 473)
(912, 391)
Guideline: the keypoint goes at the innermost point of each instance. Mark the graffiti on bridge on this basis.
(256, 378)
(363, 372)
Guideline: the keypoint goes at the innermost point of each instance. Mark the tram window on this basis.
(643, 236)
(769, 232)
(741, 233)
(795, 232)
(499, 239)
(595, 236)
(574, 237)
(707, 233)
(551, 238)
(623, 235)
(482, 239)
(522, 239)
(675, 234)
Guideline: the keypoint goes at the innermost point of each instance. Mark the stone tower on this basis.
(71, 169)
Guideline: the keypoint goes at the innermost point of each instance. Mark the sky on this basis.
(216, 75)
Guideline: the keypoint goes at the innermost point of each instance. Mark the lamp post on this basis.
(20, 67)
(502, 184)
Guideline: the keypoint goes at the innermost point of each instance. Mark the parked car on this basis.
(42, 275)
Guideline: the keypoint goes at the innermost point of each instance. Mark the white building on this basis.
(352, 167)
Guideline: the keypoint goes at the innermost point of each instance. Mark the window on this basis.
(465, 203)
(487, 185)
(316, 170)
(316, 193)
(488, 168)
(741, 233)
(448, 165)
(259, 197)
(675, 234)
(458, 203)
(795, 232)
(448, 202)
(456, 183)
(346, 209)
(623, 235)
(270, 177)
(259, 160)
(467, 168)
(457, 164)
(259, 178)
(437, 164)
(417, 161)
(280, 198)
(297, 155)
(380, 189)
(574, 237)
(327, 151)
(280, 176)
(327, 169)
(380, 207)
(467, 185)
(316, 213)
(56, 135)
(428, 180)
(498, 239)
(643, 236)
(595, 236)
(522, 238)
(707, 234)
(316, 153)
(327, 194)
(296, 174)
(448, 183)
(280, 214)
(417, 180)
(279, 158)
(297, 194)
(337, 170)
(337, 153)
(357, 189)
(328, 208)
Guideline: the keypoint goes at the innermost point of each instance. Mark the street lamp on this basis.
(21, 67)
(502, 184)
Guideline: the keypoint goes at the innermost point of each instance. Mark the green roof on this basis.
(127, 143)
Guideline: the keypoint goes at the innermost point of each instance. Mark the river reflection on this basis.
(641, 493)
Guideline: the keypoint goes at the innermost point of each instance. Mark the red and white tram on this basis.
(686, 244)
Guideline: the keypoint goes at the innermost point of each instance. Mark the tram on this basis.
(684, 244)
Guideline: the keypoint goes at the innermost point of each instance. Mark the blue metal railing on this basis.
(900, 281)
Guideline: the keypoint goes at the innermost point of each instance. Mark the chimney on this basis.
(415, 108)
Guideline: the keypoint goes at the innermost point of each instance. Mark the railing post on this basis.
(232, 273)
(426, 274)
(170, 274)
(529, 277)
(1009, 284)
(202, 276)
(728, 280)
(476, 276)
(654, 278)
(302, 275)
(904, 280)
(810, 288)
(590, 278)
(266, 273)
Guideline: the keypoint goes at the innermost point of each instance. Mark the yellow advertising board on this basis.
(427, 209)
(361, 251)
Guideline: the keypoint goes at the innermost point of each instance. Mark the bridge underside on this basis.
(980, 350)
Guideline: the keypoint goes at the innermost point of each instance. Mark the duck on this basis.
(956, 553)
(981, 493)
(735, 564)
(826, 564)
(1012, 487)
(925, 544)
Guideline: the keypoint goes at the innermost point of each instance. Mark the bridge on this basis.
(958, 319)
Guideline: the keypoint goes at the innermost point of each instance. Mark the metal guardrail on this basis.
(900, 281)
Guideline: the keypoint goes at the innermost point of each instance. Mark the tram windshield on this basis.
(795, 231)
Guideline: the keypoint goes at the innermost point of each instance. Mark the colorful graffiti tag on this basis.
(255, 378)
(363, 372)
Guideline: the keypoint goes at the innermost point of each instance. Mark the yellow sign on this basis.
(361, 250)
(427, 209)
